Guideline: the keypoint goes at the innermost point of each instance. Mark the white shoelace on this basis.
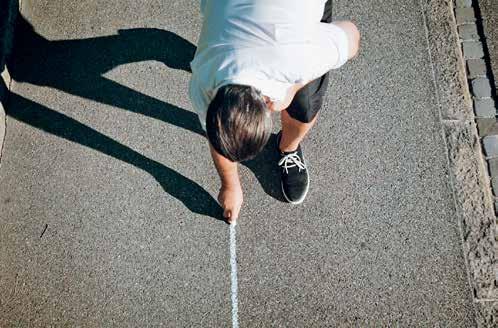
(291, 160)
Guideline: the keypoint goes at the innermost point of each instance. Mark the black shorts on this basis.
(308, 101)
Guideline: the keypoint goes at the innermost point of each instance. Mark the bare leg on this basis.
(293, 132)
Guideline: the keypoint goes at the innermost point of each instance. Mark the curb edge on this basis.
(469, 181)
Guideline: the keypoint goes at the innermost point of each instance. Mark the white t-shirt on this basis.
(267, 44)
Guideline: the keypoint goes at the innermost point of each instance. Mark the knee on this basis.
(354, 37)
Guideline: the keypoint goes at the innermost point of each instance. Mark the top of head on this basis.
(238, 123)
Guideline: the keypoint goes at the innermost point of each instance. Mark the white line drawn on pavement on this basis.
(233, 265)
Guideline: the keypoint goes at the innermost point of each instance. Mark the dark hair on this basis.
(238, 123)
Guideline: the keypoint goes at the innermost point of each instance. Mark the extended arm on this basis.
(230, 196)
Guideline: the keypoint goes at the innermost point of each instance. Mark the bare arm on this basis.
(230, 196)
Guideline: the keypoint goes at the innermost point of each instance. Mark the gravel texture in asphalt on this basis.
(107, 199)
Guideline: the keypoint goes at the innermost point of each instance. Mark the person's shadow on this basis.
(77, 67)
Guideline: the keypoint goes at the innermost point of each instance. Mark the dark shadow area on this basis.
(193, 196)
(77, 67)
(266, 170)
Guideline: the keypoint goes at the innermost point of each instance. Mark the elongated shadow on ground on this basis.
(193, 196)
(77, 67)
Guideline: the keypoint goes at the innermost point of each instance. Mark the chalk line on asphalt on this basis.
(233, 271)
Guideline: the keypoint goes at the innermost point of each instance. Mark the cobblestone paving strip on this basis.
(488, 12)
(483, 91)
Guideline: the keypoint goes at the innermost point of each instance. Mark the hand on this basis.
(230, 199)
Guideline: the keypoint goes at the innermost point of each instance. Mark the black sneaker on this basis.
(295, 180)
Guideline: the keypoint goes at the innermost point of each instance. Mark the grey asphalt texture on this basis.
(107, 199)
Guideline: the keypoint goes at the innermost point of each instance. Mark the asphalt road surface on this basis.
(107, 199)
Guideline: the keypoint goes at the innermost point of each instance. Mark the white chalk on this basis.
(233, 265)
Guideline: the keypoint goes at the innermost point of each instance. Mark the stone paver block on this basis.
(465, 15)
(468, 32)
(493, 167)
(472, 49)
(481, 87)
(476, 68)
(463, 3)
(485, 107)
(491, 145)
(494, 185)
(486, 126)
